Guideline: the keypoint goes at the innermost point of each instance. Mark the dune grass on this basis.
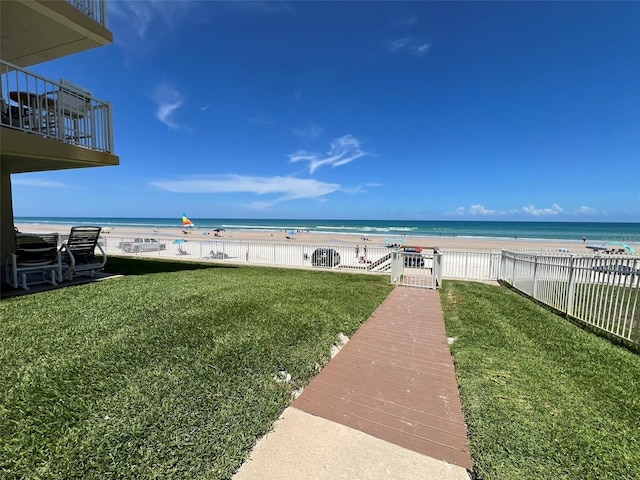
(167, 374)
(543, 398)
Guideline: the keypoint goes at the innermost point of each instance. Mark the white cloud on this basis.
(310, 131)
(411, 45)
(480, 210)
(167, 100)
(343, 150)
(288, 188)
(539, 212)
(586, 210)
(36, 182)
(399, 44)
(137, 16)
(422, 48)
(361, 188)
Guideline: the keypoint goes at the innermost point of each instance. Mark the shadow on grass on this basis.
(115, 266)
(628, 344)
(143, 266)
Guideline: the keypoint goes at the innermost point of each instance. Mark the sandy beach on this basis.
(311, 238)
(467, 258)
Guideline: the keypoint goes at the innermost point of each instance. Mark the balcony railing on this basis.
(96, 9)
(59, 110)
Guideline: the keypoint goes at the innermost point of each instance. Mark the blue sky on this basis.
(360, 110)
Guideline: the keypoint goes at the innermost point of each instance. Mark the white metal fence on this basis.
(603, 292)
(292, 254)
(451, 264)
(412, 269)
(416, 269)
(476, 265)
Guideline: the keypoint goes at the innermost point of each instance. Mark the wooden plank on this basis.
(395, 380)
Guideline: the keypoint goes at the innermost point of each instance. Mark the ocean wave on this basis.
(368, 228)
(593, 232)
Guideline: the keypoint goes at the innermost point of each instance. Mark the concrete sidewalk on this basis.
(304, 446)
(386, 406)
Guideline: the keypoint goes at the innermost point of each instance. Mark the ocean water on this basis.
(591, 231)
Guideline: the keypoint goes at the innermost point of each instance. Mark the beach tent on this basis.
(393, 241)
(623, 245)
(604, 247)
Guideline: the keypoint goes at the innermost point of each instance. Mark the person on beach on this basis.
(364, 253)
(357, 250)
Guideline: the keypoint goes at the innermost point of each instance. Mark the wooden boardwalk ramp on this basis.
(395, 380)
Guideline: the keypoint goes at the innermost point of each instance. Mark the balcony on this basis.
(36, 31)
(95, 9)
(49, 125)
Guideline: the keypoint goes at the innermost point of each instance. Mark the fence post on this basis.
(396, 266)
(534, 291)
(437, 269)
(571, 286)
(109, 148)
(466, 264)
(490, 265)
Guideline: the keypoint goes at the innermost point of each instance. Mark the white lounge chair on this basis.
(78, 253)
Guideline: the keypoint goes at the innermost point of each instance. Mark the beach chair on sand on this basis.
(78, 253)
(35, 261)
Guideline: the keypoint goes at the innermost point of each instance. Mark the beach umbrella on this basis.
(219, 230)
(179, 241)
(292, 232)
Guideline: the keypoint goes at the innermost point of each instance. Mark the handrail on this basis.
(32, 103)
(96, 9)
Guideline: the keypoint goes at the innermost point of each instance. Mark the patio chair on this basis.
(35, 261)
(70, 113)
(78, 253)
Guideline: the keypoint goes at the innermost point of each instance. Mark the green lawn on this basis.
(167, 374)
(543, 398)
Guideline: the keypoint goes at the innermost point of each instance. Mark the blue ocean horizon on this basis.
(591, 231)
